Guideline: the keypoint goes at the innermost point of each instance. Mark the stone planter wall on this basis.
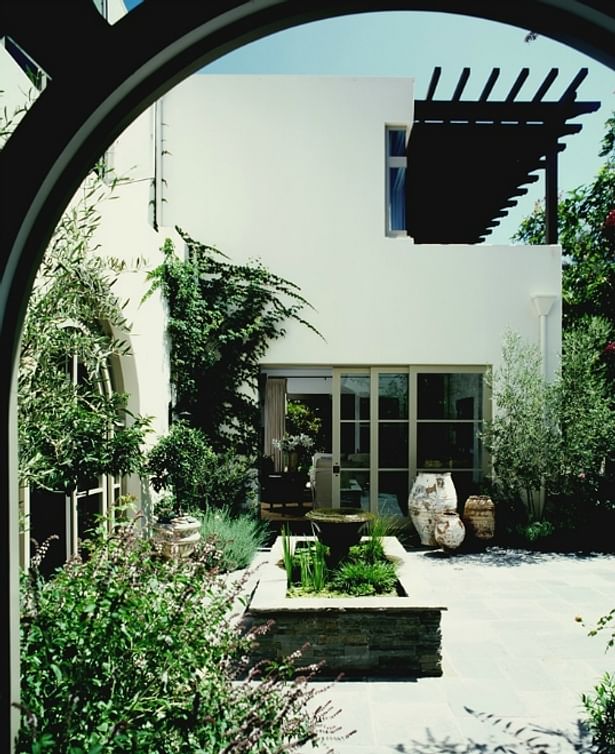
(373, 636)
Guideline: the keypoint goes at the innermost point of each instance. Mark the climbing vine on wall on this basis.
(221, 319)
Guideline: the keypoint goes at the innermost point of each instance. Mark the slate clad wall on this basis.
(375, 642)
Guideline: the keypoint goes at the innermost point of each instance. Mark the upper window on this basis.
(396, 181)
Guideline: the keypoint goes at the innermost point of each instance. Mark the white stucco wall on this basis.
(16, 89)
(126, 233)
(291, 170)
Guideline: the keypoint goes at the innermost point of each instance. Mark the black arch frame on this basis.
(102, 77)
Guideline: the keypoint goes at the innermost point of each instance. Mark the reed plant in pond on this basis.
(364, 571)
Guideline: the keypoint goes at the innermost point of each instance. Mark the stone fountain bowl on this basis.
(339, 528)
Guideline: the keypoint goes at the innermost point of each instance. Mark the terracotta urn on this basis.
(449, 531)
(479, 517)
(431, 493)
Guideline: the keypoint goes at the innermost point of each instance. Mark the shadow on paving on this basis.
(502, 557)
(524, 739)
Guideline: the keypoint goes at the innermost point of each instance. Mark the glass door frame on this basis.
(374, 373)
(413, 371)
(336, 423)
(486, 411)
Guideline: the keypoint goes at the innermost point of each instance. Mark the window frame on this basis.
(393, 162)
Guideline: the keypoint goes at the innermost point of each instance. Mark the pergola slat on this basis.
(470, 159)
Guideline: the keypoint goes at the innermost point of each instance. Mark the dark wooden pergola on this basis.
(469, 160)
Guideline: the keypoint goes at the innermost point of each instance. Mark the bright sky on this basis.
(413, 43)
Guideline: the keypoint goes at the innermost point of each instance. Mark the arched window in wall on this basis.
(71, 518)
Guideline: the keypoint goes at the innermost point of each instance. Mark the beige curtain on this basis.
(275, 410)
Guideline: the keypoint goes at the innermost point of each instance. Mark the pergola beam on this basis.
(471, 156)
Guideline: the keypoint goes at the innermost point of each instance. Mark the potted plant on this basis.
(294, 448)
(176, 464)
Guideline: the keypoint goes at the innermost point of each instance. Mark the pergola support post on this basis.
(551, 234)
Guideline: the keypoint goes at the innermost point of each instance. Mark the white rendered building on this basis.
(301, 172)
(311, 175)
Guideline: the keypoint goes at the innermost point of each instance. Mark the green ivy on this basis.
(222, 318)
(68, 432)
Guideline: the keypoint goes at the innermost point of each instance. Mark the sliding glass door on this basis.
(370, 439)
(389, 423)
(352, 438)
(392, 437)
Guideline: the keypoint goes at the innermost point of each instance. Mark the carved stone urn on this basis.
(177, 537)
(339, 529)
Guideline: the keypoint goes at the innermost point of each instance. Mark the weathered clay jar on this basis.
(449, 531)
(479, 516)
(431, 493)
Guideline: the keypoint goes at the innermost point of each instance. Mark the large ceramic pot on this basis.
(449, 531)
(431, 493)
(479, 516)
(178, 537)
(338, 528)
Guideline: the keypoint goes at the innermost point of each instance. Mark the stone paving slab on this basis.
(516, 660)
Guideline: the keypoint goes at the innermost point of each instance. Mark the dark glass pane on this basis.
(48, 518)
(354, 444)
(393, 488)
(450, 396)
(393, 396)
(25, 62)
(466, 483)
(88, 513)
(354, 396)
(397, 198)
(354, 489)
(397, 142)
(88, 483)
(448, 446)
(393, 445)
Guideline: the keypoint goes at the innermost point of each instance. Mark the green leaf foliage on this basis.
(183, 463)
(587, 235)
(222, 318)
(523, 436)
(128, 652)
(71, 424)
(586, 412)
(237, 538)
(600, 706)
(360, 578)
(558, 435)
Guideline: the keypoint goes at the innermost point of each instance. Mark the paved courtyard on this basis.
(516, 660)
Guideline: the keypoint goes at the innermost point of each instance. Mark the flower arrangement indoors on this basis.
(295, 449)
